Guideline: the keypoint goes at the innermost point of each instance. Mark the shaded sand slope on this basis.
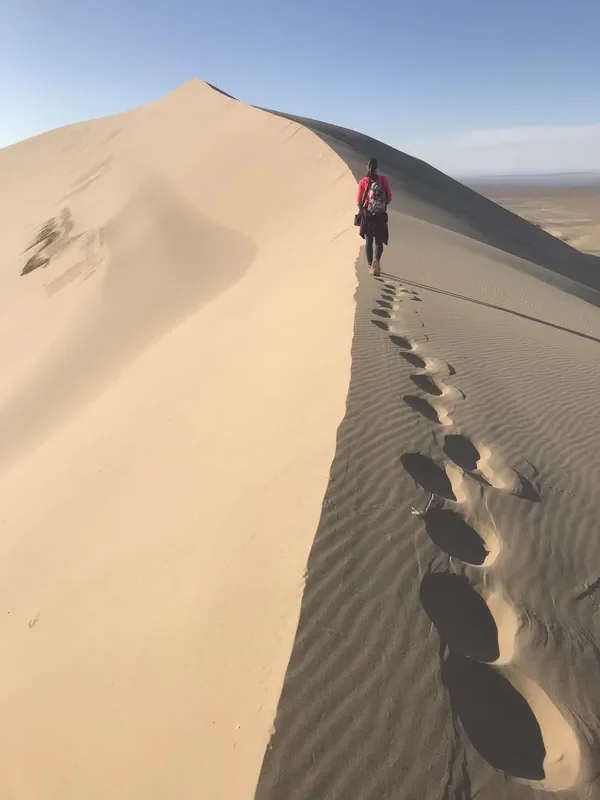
(428, 194)
(448, 639)
(175, 362)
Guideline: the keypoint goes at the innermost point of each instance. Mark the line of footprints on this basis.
(508, 717)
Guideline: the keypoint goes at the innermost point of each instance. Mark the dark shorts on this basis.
(375, 226)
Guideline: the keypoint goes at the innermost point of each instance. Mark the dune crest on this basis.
(269, 534)
(446, 643)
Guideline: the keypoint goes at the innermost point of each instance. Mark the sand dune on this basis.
(447, 639)
(178, 355)
(173, 380)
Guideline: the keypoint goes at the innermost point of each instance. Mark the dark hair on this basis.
(372, 167)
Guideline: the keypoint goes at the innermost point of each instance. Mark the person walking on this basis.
(374, 196)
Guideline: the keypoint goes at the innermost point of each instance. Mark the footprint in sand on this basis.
(452, 533)
(431, 366)
(462, 451)
(434, 414)
(380, 312)
(496, 718)
(460, 615)
(401, 342)
(427, 381)
(508, 718)
(413, 359)
(429, 475)
(53, 237)
(513, 724)
(48, 234)
(422, 407)
(482, 464)
(404, 294)
(427, 384)
(384, 304)
(380, 324)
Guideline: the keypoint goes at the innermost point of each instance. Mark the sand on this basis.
(568, 211)
(172, 384)
(271, 527)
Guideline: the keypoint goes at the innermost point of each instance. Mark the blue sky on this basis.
(473, 86)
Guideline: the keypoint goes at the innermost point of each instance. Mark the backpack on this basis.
(377, 197)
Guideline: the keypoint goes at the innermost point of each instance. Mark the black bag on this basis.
(358, 217)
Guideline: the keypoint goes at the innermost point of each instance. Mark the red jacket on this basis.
(364, 185)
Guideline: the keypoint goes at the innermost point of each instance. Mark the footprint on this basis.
(429, 475)
(47, 235)
(380, 324)
(462, 451)
(400, 341)
(427, 384)
(526, 490)
(460, 615)
(413, 359)
(496, 718)
(452, 534)
(381, 313)
(439, 415)
(417, 300)
(384, 304)
(513, 724)
(50, 241)
(422, 407)
(505, 478)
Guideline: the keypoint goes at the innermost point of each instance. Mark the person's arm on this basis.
(362, 184)
(388, 191)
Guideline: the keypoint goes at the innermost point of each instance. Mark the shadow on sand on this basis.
(496, 718)
(423, 192)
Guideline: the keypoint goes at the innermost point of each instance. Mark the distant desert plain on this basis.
(565, 205)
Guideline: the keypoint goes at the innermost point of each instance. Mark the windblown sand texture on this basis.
(177, 359)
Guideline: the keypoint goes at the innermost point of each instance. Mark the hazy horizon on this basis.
(590, 177)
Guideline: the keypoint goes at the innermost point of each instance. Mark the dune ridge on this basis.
(176, 371)
(446, 643)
